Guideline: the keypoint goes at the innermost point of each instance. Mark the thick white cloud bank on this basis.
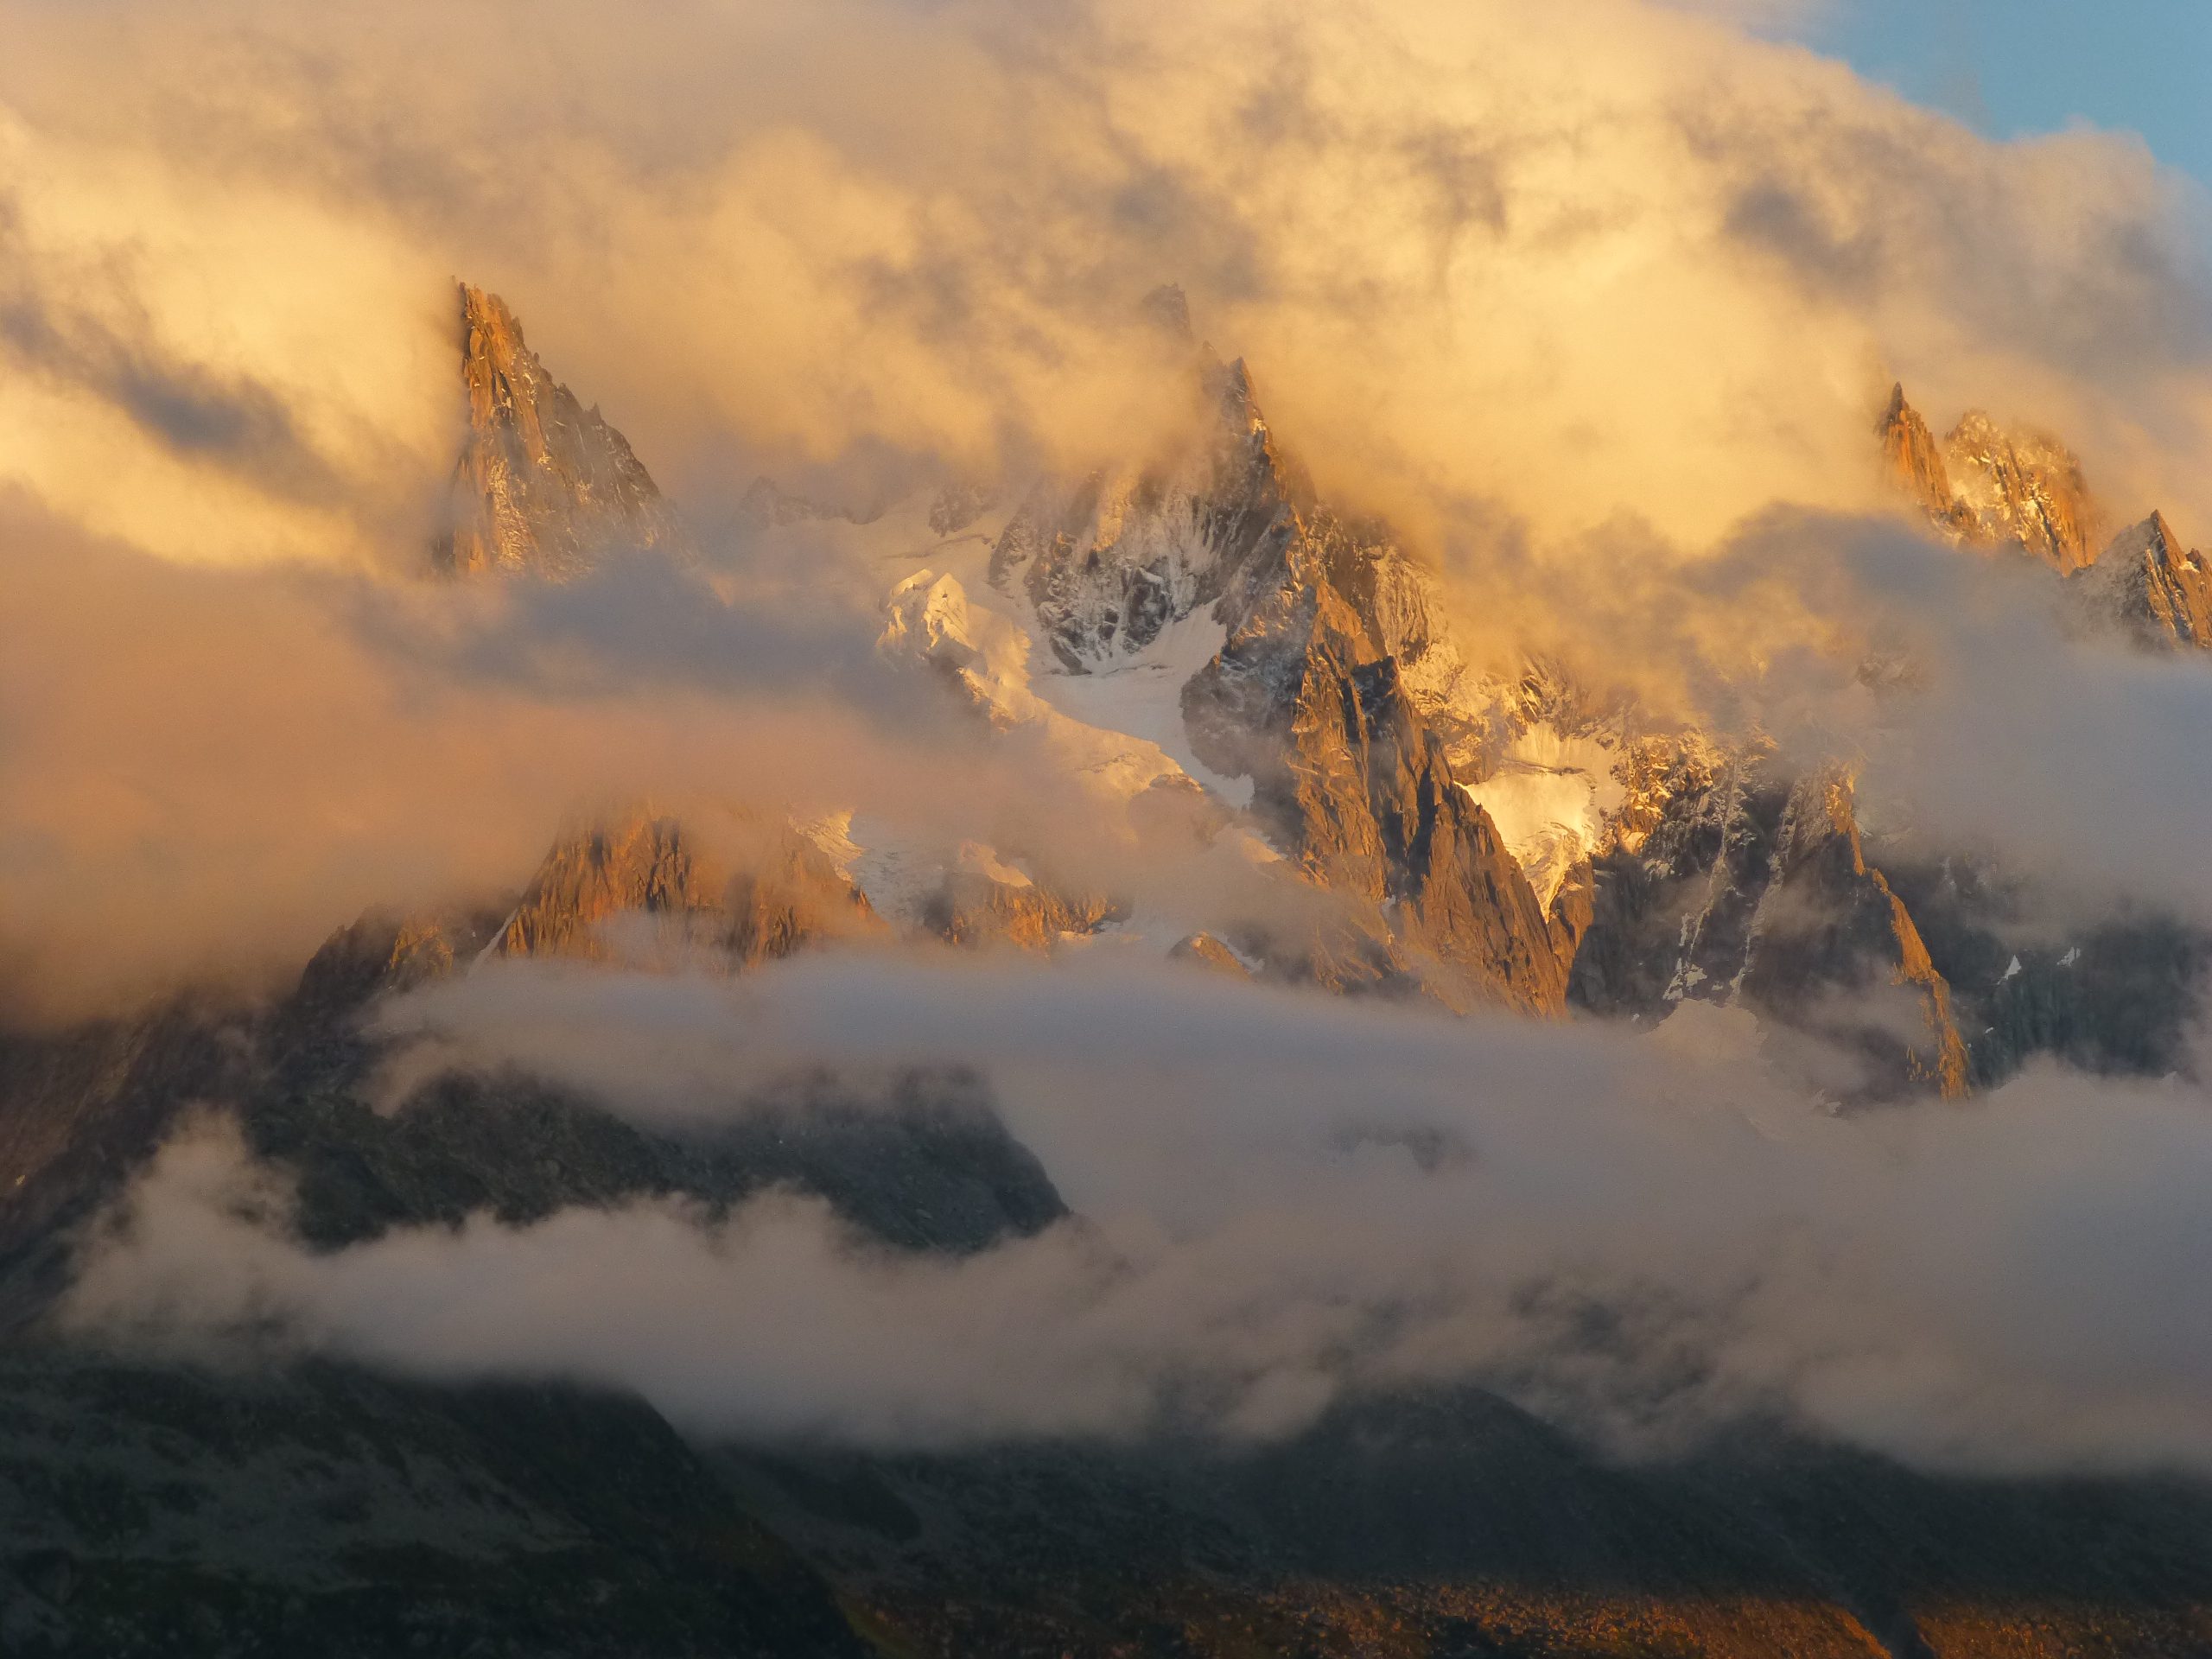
(1280, 1198)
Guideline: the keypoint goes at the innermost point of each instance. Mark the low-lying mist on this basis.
(1279, 1199)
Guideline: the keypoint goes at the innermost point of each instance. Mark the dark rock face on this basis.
(921, 1161)
(1752, 885)
(79, 1110)
(2150, 584)
(1451, 1524)
(2118, 997)
(324, 1510)
(155, 1509)
(544, 486)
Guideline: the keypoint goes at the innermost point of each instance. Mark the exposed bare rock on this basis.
(80, 1111)
(1754, 887)
(1350, 783)
(544, 486)
(649, 888)
(1106, 560)
(2024, 488)
(1824, 959)
(1993, 486)
(1915, 466)
(985, 907)
(1203, 950)
(2153, 585)
(958, 505)
(1306, 698)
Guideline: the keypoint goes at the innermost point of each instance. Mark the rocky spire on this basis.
(1916, 464)
(543, 485)
(2153, 585)
(1992, 486)
(1305, 699)
(2025, 488)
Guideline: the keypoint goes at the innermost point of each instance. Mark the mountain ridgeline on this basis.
(1211, 645)
(1326, 710)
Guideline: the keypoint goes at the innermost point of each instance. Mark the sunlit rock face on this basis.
(2024, 487)
(1915, 467)
(1304, 701)
(648, 892)
(1992, 486)
(2153, 585)
(543, 485)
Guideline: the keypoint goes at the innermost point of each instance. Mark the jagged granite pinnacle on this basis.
(544, 486)
(1915, 466)
(1993, 485)
(2024, 487)
(1306, 699)
(2153, 585)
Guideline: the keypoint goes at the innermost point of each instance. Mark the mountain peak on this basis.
(2024, 487)
(1916, 463)
(542, 485)
(2157, 586)
(1169, 311)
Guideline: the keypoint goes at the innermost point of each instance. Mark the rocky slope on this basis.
(1247, 658)
(1753, 886)
(149, 1510)
(647, 890)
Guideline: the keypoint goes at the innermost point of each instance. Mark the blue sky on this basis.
(2014, 66)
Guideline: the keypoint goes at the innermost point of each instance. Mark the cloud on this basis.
(1596, 302)
(1610, 259)
(203, 771)
(1283, 1198)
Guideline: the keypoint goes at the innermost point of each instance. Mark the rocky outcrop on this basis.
(1203, 950)
(1106, 560)
(2152, 586)
(1306, 698)
(980, 907)
(2024, 488)
(647, 890)
(1754, 887)
(1349, 784)
(1993, 486)
(544, 487)
(1915, 468)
